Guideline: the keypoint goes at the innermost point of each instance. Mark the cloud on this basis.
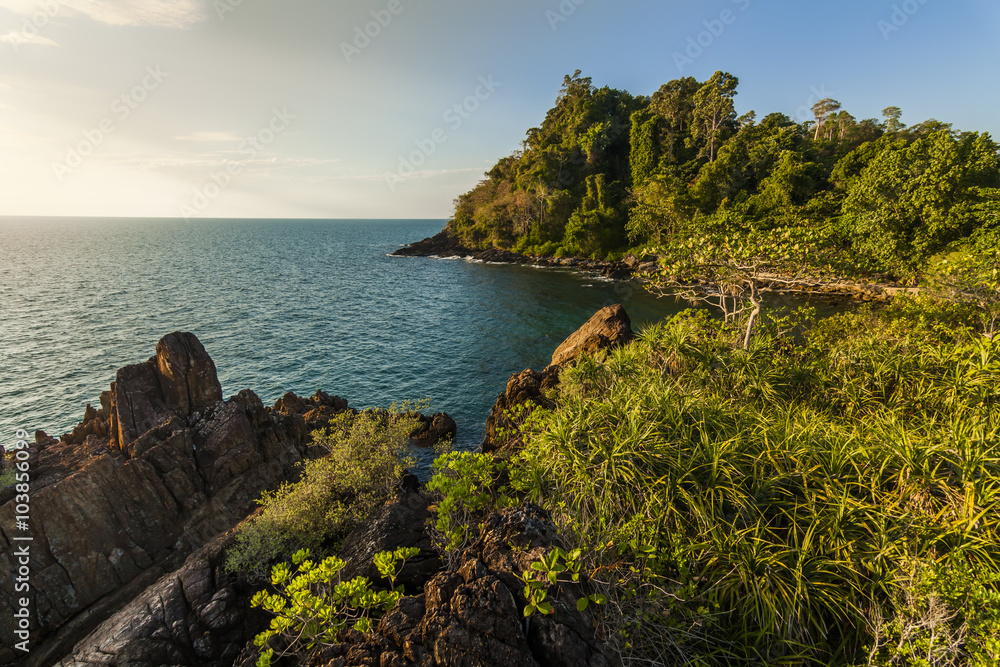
(219, 137)
(20, 37)
(161, 13)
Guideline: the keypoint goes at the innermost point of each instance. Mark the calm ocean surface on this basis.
(280, 306)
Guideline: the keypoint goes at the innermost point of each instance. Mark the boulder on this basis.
(433, 429)
(608, 328)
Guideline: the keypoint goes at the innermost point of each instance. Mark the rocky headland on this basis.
(132, 513)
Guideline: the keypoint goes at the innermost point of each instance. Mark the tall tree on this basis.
(892, 115)
(644, 154)
(714, 112)
(674, 102)
(823, 110)
(845, 122)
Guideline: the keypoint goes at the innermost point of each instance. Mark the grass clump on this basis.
(365, 458)
(803, 501)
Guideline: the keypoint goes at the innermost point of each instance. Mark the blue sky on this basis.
(260, 108)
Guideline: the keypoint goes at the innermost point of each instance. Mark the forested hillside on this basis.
(607, 171)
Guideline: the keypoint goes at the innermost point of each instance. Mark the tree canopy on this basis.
(608, 171)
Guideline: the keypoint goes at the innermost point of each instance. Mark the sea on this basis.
(280, 305)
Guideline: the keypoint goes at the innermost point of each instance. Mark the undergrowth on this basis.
(827, 499)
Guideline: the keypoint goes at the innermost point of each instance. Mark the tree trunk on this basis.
(755, 300)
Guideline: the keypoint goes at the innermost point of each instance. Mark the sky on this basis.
(392, 108)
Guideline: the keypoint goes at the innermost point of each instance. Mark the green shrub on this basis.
(313, 605)
(943, 614)
(468, 485)
(335, 493)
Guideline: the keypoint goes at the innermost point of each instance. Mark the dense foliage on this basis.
(607, 171)
(827, 498)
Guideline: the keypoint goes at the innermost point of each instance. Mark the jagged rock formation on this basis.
(473, 615)
(162, 468)
(198, 615)
(608, 328)
(132, 510)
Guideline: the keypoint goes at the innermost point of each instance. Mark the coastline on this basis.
(444, 245)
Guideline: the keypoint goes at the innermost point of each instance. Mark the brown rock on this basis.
(526, 388)
(608, 328)
(433, 429)
(180, 381)
(401, 522)
(197, 615)
(473, 615)
(187, 374)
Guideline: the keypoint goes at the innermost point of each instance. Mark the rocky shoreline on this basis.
(445, 245)
(132, 512)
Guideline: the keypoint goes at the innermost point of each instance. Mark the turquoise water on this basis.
(280, 306)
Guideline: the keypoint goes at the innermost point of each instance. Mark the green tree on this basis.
(644, 156)
(912, 200)
(714, 112)
(674, 102)
(660, 210)
(823, 110)
(892, 116)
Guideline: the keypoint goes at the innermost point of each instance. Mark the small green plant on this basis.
(549, 567)
(467, 482)
(312, 604)
(389, 563)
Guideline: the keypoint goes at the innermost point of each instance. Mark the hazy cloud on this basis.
(19, 37)
(211, 136)
(162, 13)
